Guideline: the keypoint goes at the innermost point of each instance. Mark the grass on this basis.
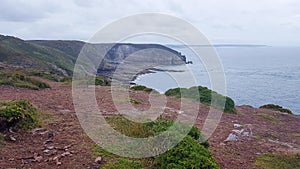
(20, 79)
(296, 134)
(134, 101)
(278, 161)
(186, 154)
(206, 96)
(269, 117)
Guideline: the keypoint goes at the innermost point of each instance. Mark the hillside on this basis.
(59, 57)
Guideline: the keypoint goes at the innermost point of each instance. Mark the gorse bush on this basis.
(206, 96)
(19, 79)
(276, 108)
(143, 88)
(191, 152)
(188, 154)
(20, 114)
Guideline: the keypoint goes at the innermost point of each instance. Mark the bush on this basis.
(187, 154)
(143, 88)
(204, 95)
(191, 152)
(276, 108)
(18, 113)
(43, 75)
(19, 79)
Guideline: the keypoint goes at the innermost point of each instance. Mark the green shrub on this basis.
(204, 95)
(44, 75)
(19, 79)
(143, 88)
(278, 161)
(18, 113)
(276, 108)
(188, 154)
(123, 163)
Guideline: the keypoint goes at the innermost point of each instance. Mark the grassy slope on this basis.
(24, 54)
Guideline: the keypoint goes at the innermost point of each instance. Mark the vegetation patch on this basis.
(276, 108)
(19, 114)
(134, 101)
(19, 79)
(143, 88)
(90, 80)
(269, 117)
(44, 75)
(191, 152)
(206, 96)
(278, 161)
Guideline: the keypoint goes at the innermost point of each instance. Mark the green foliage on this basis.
(278, 161)
(192, 152)
(134, 101)
(18, 113)
(123, 163)
(271, 118)
(276, 108)
(204, 95)
(44, 75)
(17, 52)
(91, 80)
(143, 88)
(188, 154)
(19, 79)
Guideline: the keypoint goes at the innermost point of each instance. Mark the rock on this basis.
(98, 160)
(66, 154)
(37, 157)
(50, 134)
(232, 137)
(237, 126)
(238, 132)
(11, 138)
(48, 141)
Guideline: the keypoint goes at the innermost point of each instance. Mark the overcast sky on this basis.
(270, 22)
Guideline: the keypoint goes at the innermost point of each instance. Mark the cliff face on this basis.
(57, 56)
(138, 57)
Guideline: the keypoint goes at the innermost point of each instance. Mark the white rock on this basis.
(232, 137)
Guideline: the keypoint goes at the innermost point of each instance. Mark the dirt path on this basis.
(73, 149)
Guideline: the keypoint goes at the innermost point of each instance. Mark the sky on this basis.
(266, 22)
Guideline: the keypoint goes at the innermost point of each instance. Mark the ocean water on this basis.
(254, 75)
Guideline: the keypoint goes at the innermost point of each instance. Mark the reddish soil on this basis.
(63, 123)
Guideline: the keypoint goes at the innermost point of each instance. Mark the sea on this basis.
(255, 75)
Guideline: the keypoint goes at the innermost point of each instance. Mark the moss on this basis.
(269, 117)
(278, 161)
(204, 95)
(123, 163)
(276, 108)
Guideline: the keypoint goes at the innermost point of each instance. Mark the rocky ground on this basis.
(62, 143)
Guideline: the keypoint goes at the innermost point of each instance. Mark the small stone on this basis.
(46, 151)
(66, 154)
(231, 137)
(12, 138)
(237, 125)
(48, 141)
(98, 160)
(50, 147)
